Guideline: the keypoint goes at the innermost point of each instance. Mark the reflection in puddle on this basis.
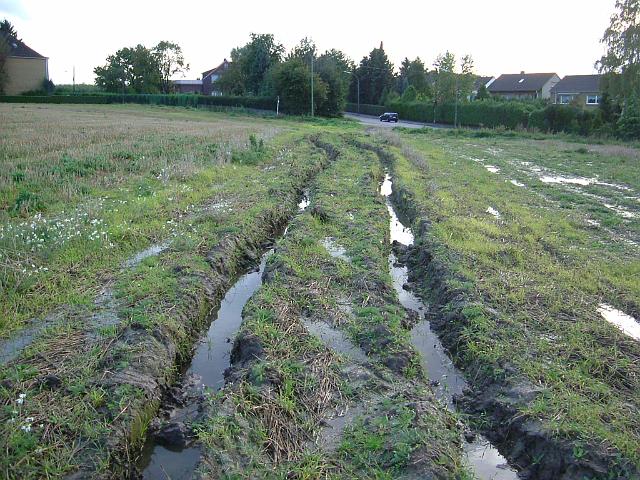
(146, 253)
(335, 250)
(487, 462)
(211, 359)
(212, 355)
(336, 340)
(569, 180)
(493, 212)
(621, 211)
(624, 322)
(517, 183)
(171, 464)
(481, 456)
(492, 168)
(304, 201)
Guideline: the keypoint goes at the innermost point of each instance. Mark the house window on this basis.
(593, 99)
(564, 99)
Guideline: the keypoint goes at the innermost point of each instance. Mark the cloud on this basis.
(14, 8)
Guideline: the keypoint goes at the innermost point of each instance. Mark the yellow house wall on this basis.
(25, 74)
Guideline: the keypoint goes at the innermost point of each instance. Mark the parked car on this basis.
(389, 117)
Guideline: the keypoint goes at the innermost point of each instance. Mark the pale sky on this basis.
(503, 36)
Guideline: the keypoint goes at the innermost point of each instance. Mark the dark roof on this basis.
(578, 84)
(219, 69)
(480, 81)
(520, 82)
(20, 49)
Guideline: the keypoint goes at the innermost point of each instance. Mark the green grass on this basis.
(183, 196)
(541, 266)
(277, 401)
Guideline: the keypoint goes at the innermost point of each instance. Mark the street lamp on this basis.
(358, 79)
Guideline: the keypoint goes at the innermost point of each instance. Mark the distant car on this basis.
(389, 117)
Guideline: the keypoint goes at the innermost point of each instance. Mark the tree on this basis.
(466, 78)
(483, 93)
(231, 81)
(170, 61)
(130, 70)
(628, 125)
(250, 64)
(445, 78)
(333, 67)
(8, 30)
(449, 85)
(376, 77)
(305, 50)
(291, 80)
(413, 74)
(621, 63)
(5, 49)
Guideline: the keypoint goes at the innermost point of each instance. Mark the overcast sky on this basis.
(503, 36)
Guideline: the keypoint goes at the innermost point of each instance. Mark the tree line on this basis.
(142, 70)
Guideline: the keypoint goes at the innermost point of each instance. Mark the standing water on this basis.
(485, 460)
(212, 357)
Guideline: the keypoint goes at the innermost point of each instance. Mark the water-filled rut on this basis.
(481, 456)
(172, 452)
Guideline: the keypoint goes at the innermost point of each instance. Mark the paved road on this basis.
(371, 120)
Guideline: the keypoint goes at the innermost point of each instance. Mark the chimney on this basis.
(522, 72)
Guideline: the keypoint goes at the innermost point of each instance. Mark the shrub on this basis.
(628, 126)
(27, 203)
(253, 155)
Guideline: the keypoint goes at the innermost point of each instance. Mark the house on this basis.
(524, 85)
(578, 89)
(187, 86)
(211, 76)
(478, 83)
(26, 69)
(206, 86)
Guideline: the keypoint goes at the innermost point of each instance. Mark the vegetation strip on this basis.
(381, 418)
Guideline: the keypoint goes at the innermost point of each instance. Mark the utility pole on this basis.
(74, 80)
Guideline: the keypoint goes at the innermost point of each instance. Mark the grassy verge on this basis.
(518, 270)
(287, 382)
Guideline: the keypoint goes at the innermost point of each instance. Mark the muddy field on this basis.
(188, 294)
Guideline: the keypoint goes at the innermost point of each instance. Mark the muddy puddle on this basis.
(624, 322)
(11, 348)
(335, 250)
(494, 212)
(480, 455)
(105, 314)
(305, 201)
(335, 340)
(212, 357)
(152, 251)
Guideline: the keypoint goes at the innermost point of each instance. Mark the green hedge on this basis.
(476, 114)
(365, 109)
(258, 103)
(491, 114)
(567, 119)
